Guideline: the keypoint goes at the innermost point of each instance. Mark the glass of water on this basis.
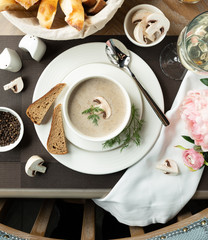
(192, 45)
(190, 52)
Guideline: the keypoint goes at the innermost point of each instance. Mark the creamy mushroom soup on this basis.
(82, 99)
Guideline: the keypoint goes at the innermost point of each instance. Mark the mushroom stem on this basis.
(40, 168)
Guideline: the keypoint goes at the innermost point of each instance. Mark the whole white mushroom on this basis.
(34, 164)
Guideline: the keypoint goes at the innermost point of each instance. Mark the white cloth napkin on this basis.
(144, 195)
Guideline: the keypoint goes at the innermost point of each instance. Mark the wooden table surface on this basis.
(179, 15)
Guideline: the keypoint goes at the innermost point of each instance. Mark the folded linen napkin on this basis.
(144, 195)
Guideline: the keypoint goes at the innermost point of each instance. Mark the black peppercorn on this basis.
(9, 128)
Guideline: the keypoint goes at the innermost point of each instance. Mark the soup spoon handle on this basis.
(152, 103)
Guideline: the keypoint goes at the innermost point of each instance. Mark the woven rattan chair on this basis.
(187, 227)
(40, 225)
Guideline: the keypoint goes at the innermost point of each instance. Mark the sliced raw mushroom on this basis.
(151, 38)
(139, 33)
(157, 24)
(140, 15)
(16, 85)
(168, 167)
(34, 165)
(103, 104)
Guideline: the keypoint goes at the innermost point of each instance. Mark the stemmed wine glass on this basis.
(190, 52)
(189, 1)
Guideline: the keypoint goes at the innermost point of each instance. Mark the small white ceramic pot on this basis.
(129, 26)
(34, 45)
(10, 60)
(13, 145)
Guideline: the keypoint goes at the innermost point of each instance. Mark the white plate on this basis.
(114, 160)
(110, 72)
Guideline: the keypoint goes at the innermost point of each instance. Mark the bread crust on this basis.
(100, 4)
(56, 143)
(74, 13)
(89, 3)
(46, 12)
(27, 3)
(12, 5)
(34, 108)
(9, 5)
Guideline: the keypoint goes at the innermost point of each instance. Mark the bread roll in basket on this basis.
(60, 24)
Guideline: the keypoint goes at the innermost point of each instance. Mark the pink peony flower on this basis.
(194, 112)
(192, 159)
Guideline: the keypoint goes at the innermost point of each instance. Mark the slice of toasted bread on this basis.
(97, 7)
(89, 3)
(56, 143)
(74, 13)
(37, 110)
(46, 12)
(27, 3)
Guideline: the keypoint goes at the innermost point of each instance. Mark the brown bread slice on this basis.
(56, 143)
(37, 110)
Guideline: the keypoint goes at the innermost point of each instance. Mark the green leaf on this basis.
(112, 142)
(97, 109)
(89, 110)
(181, 147)
(187, 138)
(93, 116)
(131, 132)
(205, 163)
(198, 148)
(204, 81)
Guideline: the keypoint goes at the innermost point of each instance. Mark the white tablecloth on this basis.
(144, 195)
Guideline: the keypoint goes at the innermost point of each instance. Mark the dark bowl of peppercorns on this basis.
(11, 129)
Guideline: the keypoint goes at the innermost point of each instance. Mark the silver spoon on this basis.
(119, 55)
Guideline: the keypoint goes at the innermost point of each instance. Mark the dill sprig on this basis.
(131, 132)
(93, 114)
